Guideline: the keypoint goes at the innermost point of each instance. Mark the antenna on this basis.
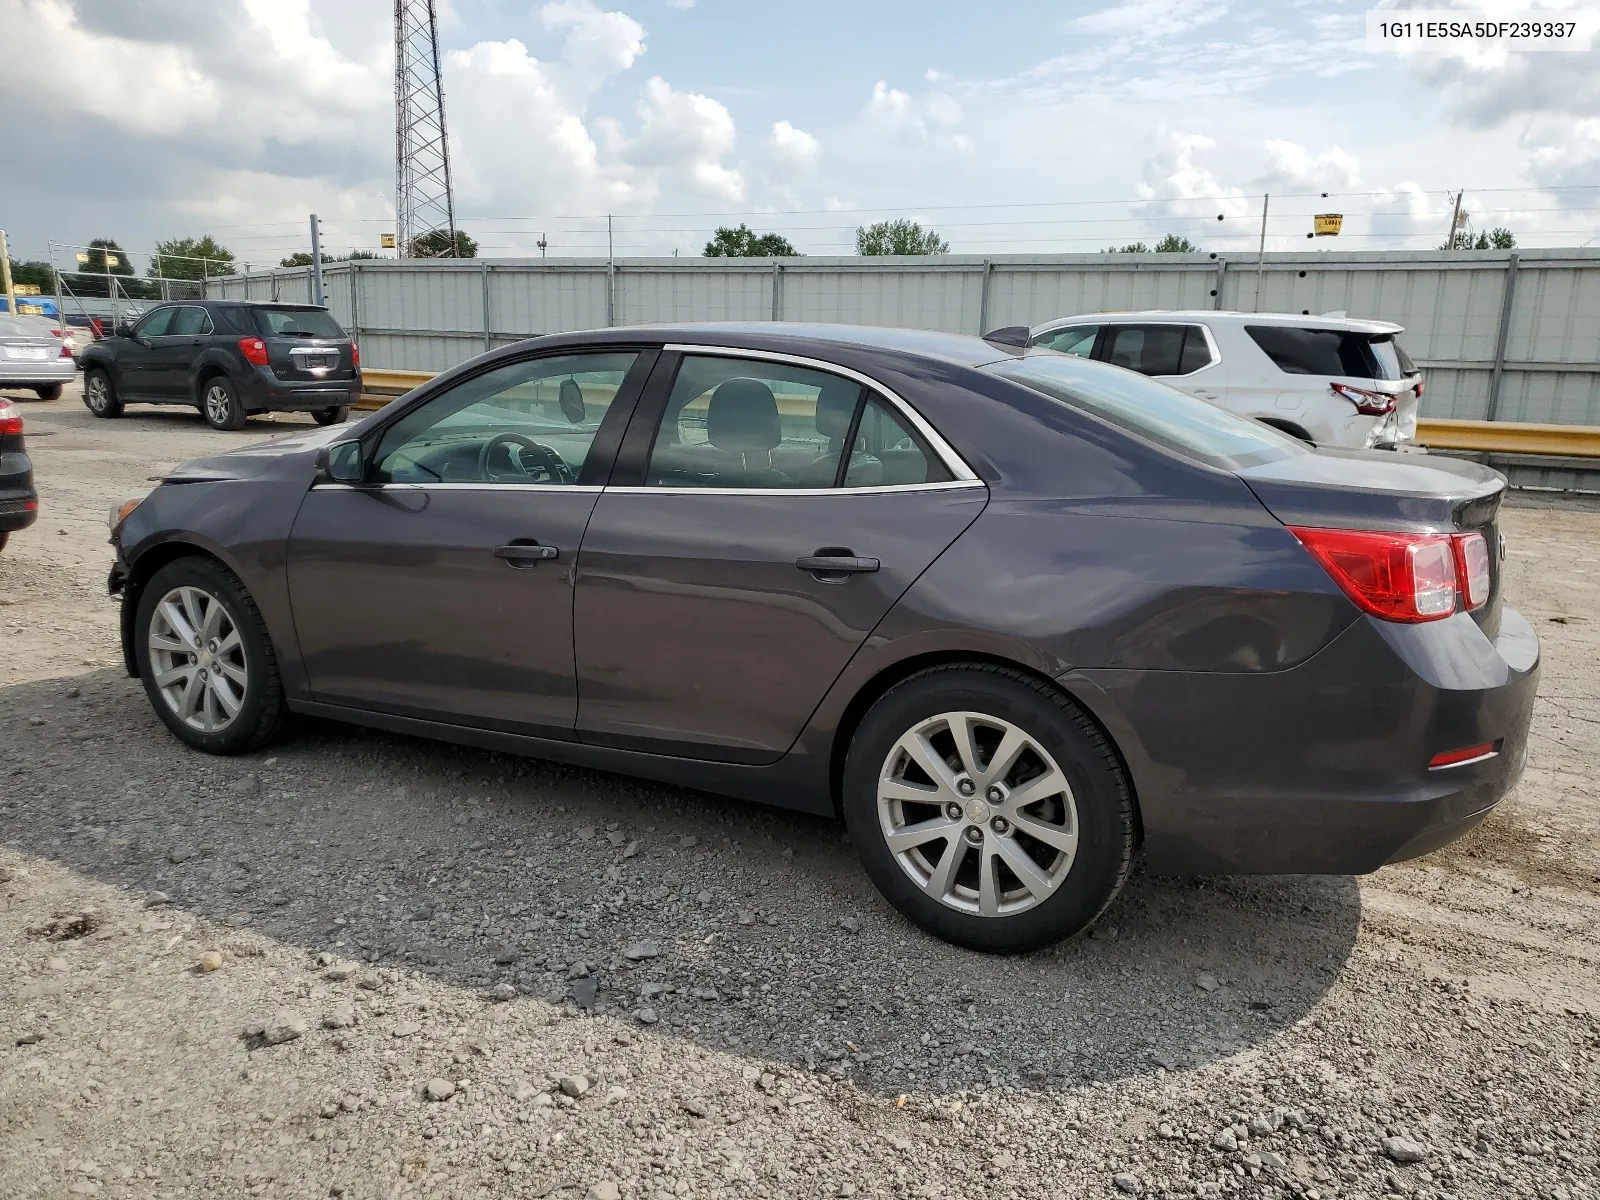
(423, 201)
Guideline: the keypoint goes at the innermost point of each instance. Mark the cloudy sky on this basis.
(1032, 125)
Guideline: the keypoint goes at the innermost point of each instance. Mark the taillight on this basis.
(60, 333)
(1372, 404)
(1419, 389)
(355, 355)
(1463, 756)
(1472, 564)
(254, 350)
(66, 350)
(1407, 577)
(10, 419)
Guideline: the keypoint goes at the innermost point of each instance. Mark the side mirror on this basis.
(340, 463)
(125, 329)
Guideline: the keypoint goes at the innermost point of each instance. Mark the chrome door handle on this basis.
(525, 553)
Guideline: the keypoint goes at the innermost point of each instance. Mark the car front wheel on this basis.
(332, 416)
(206, 661)
(988, 808)
(219, 404)
(100, 394)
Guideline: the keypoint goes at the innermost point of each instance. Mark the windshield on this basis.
(1152, 410)
(301, 322)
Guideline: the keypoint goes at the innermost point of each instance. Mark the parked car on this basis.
(1332, 381)
(72, 339)
(1016, 616)
(19, 502)
(228, 359)
(32, 357)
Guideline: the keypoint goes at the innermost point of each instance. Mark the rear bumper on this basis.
(1323, 769)
(263, 391)
(37, 374)
(19, 505)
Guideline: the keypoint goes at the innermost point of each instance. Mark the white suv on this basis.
(1328, 380)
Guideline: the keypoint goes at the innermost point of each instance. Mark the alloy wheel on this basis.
(98, 394)
(218, 404)
(197, 658)
(977, 814)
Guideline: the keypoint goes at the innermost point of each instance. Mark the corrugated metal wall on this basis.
(430, 315)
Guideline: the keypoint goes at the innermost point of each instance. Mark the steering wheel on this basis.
(548, 467)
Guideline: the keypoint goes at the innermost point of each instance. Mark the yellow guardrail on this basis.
(1495, 437)
(1510, 437)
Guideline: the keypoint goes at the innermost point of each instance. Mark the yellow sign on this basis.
(386, 240)
(113, 261)
(25, 289)
(1327, 224)
(83, 259)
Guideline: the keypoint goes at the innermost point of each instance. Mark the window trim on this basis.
(961, 473)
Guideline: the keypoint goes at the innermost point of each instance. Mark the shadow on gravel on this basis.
(480, 869)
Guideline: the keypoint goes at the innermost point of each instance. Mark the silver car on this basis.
(31, 357)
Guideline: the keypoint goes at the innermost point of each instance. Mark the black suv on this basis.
(228, 358)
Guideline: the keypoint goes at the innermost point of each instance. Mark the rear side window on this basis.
(1328, 351)
(300, 322)
(1157, 349)
(233, 320)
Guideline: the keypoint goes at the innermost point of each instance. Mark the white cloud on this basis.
(1148, 19)
(892, 111)
(598, 44)
(1291, 166)
(682, 5)
(794, 149)
(687, 134)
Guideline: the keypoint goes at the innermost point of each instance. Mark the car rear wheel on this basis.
(205, 659)
(100, 394)
(332, 416)
(219, 404)
(49, 392)
(988, 808)
(4, 538)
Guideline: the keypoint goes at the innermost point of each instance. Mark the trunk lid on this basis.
(1377, 489)
(305, 344)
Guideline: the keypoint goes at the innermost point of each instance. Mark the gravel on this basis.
(400, 925)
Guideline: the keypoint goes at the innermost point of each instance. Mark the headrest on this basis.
(836, 404)
(743, 417)
(572, 405)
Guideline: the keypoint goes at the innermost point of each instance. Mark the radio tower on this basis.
(422, 198)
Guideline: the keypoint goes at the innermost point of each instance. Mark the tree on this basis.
(1130, 248)
(40, 274)
(440, 243)
(358, 255)
(301, 258)
(745, 242)
(899, 237)
(1176, 244)
(190, 258)
(1498, 238)
(90, 277)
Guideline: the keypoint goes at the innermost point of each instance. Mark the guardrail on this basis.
(1488, 437)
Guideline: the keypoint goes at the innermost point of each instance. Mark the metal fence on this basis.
(1511, 336)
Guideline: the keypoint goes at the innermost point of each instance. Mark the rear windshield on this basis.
(1152, 410)
(1332, 352)
(22, 327)
(301, 322)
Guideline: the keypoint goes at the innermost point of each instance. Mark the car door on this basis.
(174, 353)
(765, 514)
(136, 354)
(1180, 355)
(441, 587)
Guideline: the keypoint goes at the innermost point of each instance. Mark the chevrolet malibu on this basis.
(1017, 617)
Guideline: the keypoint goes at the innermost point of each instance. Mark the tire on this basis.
(1074, 877)
(178, 596)
(332, 416)
(219, 403)
(100, 394)
(4, 538)
(48, 392)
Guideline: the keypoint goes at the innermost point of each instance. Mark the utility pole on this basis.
(55, 273)
(1455, 221)
(1261, 254)
(316, 260)
(542, 244)
(5, 276)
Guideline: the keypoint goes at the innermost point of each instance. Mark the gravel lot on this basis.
(361, 965)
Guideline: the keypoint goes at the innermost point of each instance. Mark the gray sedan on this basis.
(31, 357)
(1018, 618)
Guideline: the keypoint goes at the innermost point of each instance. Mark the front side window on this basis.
(156, 324)
(1152, 410)
(742, 423)
(191, 321)
(1075, 339)
(523, 423)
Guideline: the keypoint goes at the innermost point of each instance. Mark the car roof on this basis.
(960, 349)
(1228, 316)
